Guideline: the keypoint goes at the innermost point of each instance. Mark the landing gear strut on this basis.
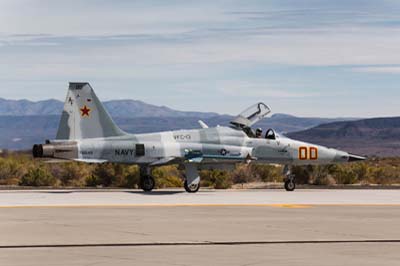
(192, 178)
(290, 179)
(147, 182)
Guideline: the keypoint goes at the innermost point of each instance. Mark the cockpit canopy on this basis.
(251, 115)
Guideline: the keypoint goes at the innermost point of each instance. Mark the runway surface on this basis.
(178, 197)
(167, 227)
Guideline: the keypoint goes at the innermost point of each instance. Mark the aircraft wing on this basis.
(160, 162)
(50, 161)
(90, 160)
(165, 161)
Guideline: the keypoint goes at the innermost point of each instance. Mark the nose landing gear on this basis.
(290, 179)
(290, 185)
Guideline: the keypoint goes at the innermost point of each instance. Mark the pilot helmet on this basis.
(259, 130)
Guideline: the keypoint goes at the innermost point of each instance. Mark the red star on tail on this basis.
(85, 111)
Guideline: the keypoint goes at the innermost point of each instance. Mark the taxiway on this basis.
(169, 227)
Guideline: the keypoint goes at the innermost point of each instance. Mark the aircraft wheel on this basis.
(290, 185)
(147, 183)
(193, 188)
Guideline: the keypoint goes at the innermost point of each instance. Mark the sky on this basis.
(303, 57)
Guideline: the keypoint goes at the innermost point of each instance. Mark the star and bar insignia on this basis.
(85, 111)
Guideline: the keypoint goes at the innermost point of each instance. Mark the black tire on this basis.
(290, 185)
(147, 183)
(191, 189)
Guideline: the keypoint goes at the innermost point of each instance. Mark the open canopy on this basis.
(251, 115)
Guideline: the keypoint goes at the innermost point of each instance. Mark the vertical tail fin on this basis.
(84, 116)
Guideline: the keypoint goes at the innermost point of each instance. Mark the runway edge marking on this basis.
(274, 205)
(158, 205)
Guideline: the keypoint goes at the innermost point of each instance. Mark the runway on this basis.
(167, 227)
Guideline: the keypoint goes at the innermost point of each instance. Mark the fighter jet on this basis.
(88, 134)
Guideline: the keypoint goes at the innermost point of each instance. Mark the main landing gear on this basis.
(147, 182)
(193, 188)
(290, 179)
(192, 178)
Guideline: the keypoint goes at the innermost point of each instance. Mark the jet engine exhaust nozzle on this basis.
(42, 150)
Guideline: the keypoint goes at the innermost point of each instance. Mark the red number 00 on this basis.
(306, 153)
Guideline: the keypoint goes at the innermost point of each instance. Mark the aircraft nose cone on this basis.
(342, 157)
(355, 158)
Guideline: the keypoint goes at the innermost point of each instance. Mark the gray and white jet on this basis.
(88, 134)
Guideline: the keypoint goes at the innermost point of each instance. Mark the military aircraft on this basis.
(88, 134)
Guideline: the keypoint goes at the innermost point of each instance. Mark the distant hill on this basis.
(117, 108)
(25, 107)
(133, 108)
(373, 137)
(288, 123)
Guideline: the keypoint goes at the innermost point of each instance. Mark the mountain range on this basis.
(24, 122)
(372, 137)
(116, 108)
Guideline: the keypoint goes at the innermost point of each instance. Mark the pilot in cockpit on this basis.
(259, 133)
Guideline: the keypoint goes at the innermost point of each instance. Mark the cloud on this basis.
(289, 33)
(305, 47)
(88, 18)
(254, 90)
(378, 69)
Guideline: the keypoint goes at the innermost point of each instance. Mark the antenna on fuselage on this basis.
(202, 124)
